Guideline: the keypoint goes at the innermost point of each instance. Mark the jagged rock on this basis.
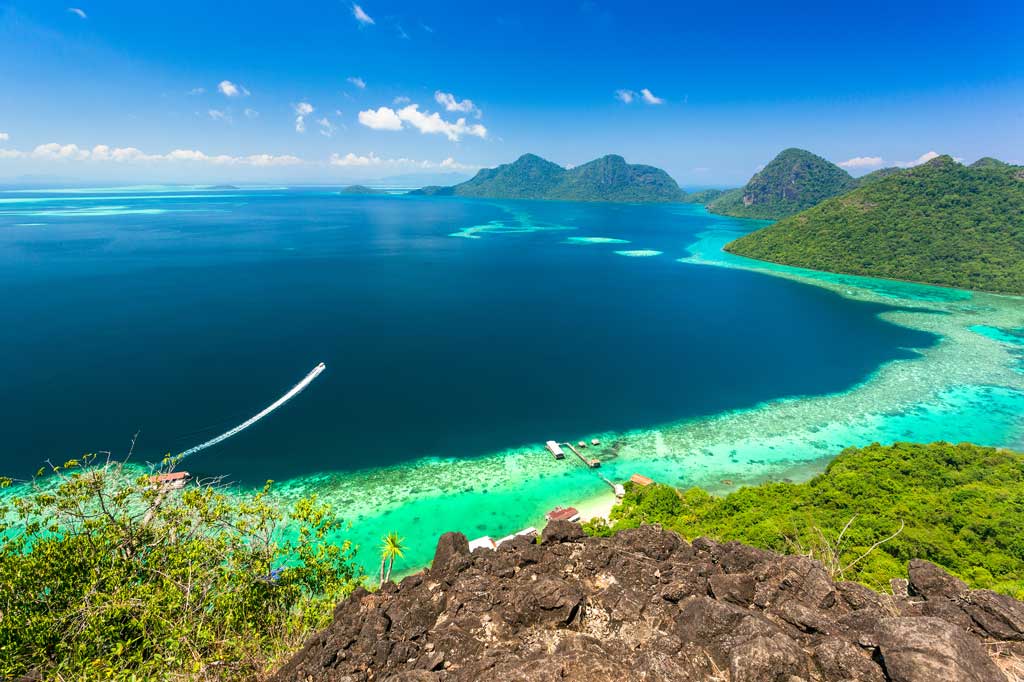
(768, 659)
(734, 588)
(449, 546)
(931, 582)
(645, 605)
(929, 649)
(838, 659)
(561, 531)
(996, 615)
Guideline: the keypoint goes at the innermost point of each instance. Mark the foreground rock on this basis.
(646, 605)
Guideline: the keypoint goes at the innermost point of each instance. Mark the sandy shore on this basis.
(600, 506)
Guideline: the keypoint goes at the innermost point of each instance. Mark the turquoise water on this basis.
(458, 336)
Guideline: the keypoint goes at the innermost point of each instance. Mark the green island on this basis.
(791, 182)
(870, 512)
(361, 189)
(608, 178)
(939, 223)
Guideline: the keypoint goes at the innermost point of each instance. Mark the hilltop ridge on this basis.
(609, 178)
(938, 223)
(793, 181)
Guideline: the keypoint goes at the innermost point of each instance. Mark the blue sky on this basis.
(330, 91)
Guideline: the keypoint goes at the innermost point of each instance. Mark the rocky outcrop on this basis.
(647, 605)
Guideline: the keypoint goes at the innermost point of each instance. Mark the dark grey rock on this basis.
(645, 605)
(930, 649)
(449, 546)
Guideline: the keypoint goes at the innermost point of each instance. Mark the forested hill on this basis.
(793, 181)
(939, 223)
(608, 178)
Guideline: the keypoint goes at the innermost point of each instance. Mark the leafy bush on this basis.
(959, 506)
(110, 575)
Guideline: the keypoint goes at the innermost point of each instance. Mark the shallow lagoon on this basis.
(451, 359)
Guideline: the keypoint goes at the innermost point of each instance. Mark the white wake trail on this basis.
(295, 390)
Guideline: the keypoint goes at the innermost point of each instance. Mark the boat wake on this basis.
(295, 390)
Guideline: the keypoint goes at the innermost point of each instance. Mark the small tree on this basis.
(392, 547)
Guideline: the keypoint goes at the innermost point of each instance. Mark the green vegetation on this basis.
(111, 576)
(939, 223)
(989, 162)
(704, 196)
(361, 189)
(793, 181)
(959, 506)
(609, 178)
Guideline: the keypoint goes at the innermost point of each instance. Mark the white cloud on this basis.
(327, 128)
(924, 158)
(450, 103)
(271, 160)
(219, 115)
(433, 123)
(625, 96)
(78, 12)
(400, 100)
(302, 110)
(357, 81)
(352, 160)
(57, 152)
(862, 162)
(251, 113)
(4, 137)
(197, 91)
(361, 16)
(452, 164)
(229, 89)
(54, 151)
(650, 98)
(383, 118)
(102, 152)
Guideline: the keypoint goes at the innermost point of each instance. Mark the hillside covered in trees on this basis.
(939, 223)
(608, 178)
(793, 181)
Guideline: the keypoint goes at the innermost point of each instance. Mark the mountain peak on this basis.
(794, 180)
(608, 178)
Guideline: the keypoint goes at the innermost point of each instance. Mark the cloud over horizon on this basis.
(862, 162)
(54, 151)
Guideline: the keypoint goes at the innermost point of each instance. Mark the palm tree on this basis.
(392, 547)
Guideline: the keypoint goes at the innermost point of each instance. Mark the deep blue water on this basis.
(183, 323)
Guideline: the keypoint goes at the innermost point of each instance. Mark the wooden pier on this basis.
(592, 463)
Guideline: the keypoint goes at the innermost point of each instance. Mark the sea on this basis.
(458, 335)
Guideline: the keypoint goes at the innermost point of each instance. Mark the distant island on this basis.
(223, 187)
(791, 182)
(608, 178)
(939, 223)
(361, 189)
